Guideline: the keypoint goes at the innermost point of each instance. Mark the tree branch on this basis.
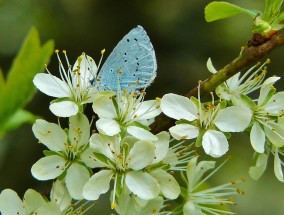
(249, 55)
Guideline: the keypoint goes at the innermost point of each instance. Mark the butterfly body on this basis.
(131, 65)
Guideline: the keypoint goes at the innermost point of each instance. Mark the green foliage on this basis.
(272, 8)
(264, 23)
(221, 10)
(17, 90)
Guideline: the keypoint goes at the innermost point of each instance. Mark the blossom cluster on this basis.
(266, 127)
(120, 154)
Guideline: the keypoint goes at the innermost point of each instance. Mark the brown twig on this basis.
(249, 55)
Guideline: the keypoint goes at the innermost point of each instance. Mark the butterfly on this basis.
(131, 65)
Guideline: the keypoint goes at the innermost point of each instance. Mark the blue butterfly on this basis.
(131, 65)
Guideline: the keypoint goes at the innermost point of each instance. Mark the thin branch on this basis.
(249, 55)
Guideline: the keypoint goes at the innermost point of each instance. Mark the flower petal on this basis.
(278, 166)
(48, 167)
(161, 146)
(233, 82)
(195, 171)
(210, 66)
(106, 145)
(275, 133)
(141, 155)
(190, 209)
(108, 126)
(215, 143)
(50, 134)
(64, 108)
(257, 138)
(168, 184)
(88, 158)
(51, 85)
(171, 158)
(184, 131)
(10, 203)
(33, 201)
(275, 104)
(60, 195)
(141, 133)
(261, 162)
(79, 130)
(88, 70)
(97, 185)
(178, 107)
(147, 110)
(104, 107)
(76, 177)
(265, 88)
(153, 205)
(233, 119)
(49, 208)
(142, 184)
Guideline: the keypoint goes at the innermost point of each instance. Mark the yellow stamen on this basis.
(113, 205)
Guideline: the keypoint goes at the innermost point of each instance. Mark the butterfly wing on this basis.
(132, 63)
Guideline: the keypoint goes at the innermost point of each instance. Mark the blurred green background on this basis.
(183, 42)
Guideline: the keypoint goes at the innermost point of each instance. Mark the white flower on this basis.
(266, 121)
(261, 160)
(234, 87)
(126, 112)
(129, 161)
(129, 204)
(278, 163)
(274, 144)
(204, 201)
(60, 195)
(69, 154)
(33, 203)
(73, 89)
(206, 122)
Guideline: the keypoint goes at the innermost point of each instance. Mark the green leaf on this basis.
(2, 80)
(279, 19)
(221, 10)
(272, 9)
(19, 89)
(17, 119)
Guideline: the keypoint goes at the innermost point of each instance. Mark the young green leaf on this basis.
(2, 80)
(17, 119)
(221, 10)
(272, 8)
(19, 89)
